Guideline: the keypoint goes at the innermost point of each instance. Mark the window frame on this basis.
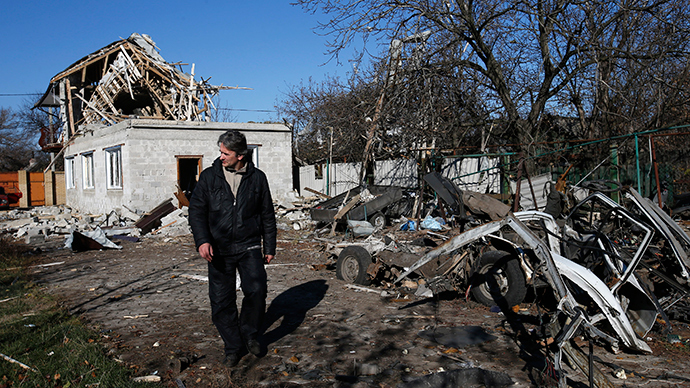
(113, 178)
(70, 181)
(87, 170)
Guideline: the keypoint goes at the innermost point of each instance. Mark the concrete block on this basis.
(35, 236)
(62, 223)
(11, 225)
(176, 216)
(128, 215)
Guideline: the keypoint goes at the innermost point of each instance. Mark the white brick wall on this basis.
(149, 164)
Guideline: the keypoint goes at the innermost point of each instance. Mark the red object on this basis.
(8, 199)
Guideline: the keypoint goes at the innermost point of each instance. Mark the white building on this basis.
(141, 163)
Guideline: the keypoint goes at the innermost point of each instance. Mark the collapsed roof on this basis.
(127, 79)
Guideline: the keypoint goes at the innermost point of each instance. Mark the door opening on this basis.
(188, 170)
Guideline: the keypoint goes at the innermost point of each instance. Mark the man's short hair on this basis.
(234, 140)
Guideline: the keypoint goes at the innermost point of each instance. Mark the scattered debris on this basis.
(135, 316)
(88, 231)
(613, 268)
(89, 240)
(12, 360)
(147, 379)
(200, 278)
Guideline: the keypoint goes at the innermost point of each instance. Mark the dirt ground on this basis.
(149, 302)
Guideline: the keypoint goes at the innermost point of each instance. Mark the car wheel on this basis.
(378, 220)
(352, 265)
(498, 276)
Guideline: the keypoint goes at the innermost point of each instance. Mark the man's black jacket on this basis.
(233, 226)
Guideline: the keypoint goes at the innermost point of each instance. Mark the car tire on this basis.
(378, 219)
(352, 265)
(497, 276)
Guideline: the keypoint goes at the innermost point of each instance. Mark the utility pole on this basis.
(394, 63)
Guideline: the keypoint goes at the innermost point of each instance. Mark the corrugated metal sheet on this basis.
(399, 172)
(477, 174)
(343, 176)
(474, 174)
(540, 183)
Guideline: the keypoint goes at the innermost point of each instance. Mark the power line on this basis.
(18, 94)
(249, 110)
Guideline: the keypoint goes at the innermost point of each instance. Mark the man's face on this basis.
(230, 158)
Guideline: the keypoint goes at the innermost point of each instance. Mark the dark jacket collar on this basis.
(218, 167)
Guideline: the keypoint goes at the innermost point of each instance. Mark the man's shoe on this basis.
(254, 347)
(231, 360)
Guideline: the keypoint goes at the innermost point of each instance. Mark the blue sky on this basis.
(265, 45)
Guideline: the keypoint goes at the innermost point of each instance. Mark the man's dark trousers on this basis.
(222, 292)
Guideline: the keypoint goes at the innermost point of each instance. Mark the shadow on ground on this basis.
(292, 306)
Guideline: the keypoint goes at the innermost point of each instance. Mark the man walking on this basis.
(232, 218)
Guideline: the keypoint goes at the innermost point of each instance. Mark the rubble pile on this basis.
(292, 211)
(40, 224)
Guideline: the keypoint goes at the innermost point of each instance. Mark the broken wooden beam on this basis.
(320, 194)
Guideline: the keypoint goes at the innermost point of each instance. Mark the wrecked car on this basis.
(663, 267)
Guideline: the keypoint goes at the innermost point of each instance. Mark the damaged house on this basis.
(135, 130)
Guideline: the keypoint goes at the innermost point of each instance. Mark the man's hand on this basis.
(268, 258)
(206, 251)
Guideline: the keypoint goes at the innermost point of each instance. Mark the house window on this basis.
(87, 169)
(113, 165)
(69, 172)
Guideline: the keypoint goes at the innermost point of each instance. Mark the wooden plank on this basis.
(133, 66)
(153, 91)
(318, 193)
(354, 201)
(95, 109)
(68, 89)
(105, 64)
(13, 361)
(78, 67)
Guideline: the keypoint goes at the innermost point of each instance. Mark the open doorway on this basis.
(188, 170)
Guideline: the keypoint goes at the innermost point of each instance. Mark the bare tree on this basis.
(18, 141)
(318, 112)
(424, 102)
(598, 58)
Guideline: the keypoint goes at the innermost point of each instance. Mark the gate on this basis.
(37, 193)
